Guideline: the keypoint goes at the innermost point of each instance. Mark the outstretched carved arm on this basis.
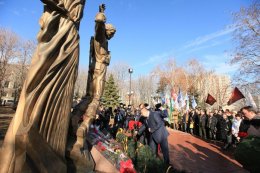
(100, 20)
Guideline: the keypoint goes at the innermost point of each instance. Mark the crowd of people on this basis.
(226, 126)
(148, 124)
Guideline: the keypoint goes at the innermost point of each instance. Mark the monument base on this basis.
(101, 163)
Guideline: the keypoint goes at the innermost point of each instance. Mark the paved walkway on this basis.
(5, 120)
(192, 154)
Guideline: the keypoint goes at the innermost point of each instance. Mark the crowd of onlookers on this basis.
(227, 126)
(222, 125)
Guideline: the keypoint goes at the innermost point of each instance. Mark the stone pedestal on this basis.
(101, 163)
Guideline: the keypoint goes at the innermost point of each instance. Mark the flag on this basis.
(193, 103)
(176, 104)
(210, 100)
(186, 97)
(180, 100)
(235, 96)
(187, 102)
(172, 103)
(249, 100)
(173, 94)
(163, 100)
(171, 110)
(167, 99)
(183, 103)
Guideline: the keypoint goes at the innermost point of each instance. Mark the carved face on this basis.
(110, 33)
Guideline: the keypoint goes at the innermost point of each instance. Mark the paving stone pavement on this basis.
(192, 154)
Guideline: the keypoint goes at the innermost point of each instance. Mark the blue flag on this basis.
(163, 100)
(187, 102)
(193, 103)
(179, 99)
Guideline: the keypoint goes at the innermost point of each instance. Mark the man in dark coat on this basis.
(219, 117)
(254, 120)
(118, 120)
(248, 150)
(196, 120)
(202, 124)
(143, 134)
(226, 131)
(212, 126)
(158, 132)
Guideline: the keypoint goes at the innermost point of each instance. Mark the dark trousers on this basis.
(196, 130)
(184, 127)
(212, 134)
(144, 139)
(164, 148)
(202, 132)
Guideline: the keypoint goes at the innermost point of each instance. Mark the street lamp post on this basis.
(130, 71)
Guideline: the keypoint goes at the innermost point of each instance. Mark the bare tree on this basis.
(247, 52)
(193, 79)
(8, 52)
(25, 52)
(121, 76)
(170, 75)
(81, 83)
(144, 87)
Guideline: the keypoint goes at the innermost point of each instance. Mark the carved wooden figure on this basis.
(37, 136)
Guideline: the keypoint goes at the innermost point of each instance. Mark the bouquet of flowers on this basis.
(127, 166)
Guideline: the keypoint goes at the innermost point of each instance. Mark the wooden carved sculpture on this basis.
(37, 136)
(99, 60)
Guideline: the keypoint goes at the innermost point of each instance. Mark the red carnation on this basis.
(127, 167)
(103, 148)
(242, 134)
(131, 125)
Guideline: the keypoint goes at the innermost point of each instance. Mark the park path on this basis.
(191, 154)
(6, 115)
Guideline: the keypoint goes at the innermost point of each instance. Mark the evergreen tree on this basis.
(110, 96)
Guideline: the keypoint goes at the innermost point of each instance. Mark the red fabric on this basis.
(235, 96)
(242, 134)
(210, 100)
(127, 167)
(159, 148)
(131, 124)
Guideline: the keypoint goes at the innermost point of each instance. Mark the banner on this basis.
(210, 100)
(235, 96)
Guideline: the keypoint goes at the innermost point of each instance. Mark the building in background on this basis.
(12, 84)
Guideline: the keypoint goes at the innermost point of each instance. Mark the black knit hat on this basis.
(158, 105)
